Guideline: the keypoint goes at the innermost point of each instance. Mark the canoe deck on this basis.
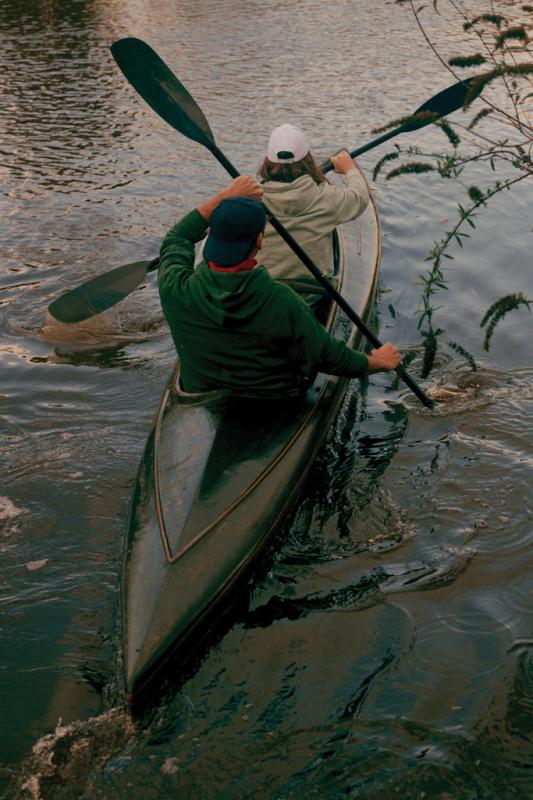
(217, 476)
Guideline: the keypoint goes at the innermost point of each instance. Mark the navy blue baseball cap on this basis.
(233, 229)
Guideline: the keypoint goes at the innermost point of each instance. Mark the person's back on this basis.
(234, 327)
(243, 329)
(308, 206)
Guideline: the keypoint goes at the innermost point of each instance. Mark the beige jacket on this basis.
(310, 212)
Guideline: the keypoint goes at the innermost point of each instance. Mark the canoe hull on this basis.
(201, 575)
(217, 476)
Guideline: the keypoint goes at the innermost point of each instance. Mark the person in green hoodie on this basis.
(233, 326)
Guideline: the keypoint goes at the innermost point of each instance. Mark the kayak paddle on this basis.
(101, 293)
(159, 87)
(440, 105)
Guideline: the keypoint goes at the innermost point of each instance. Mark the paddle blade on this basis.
(156, 84)
(440, 105)
(99, 294)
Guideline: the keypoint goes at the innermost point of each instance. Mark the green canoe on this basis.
(217, 475)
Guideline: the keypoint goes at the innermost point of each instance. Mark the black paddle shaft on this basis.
(317, 274)
(161, 89)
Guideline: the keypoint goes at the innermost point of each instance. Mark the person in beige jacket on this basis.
(300, 196)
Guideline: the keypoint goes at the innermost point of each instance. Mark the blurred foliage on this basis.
(499, 134)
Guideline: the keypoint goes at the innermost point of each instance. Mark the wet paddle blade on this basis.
(99, 294)
(156, 84)
(160, 88)
(440, 105)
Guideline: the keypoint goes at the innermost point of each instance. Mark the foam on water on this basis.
(378, 656)
(8, 510)
(71, 754)
(458, 391)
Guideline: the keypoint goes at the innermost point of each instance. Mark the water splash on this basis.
(107, 331)
(8, 510)
(459, 391)
(62, 763)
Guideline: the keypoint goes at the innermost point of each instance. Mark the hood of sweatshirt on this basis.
(291, 199)
(230, 297)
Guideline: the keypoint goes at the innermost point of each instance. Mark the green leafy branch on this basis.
(504, 47)
(501, 45)
(497, 312)
(435, 279)
(468, 357)
(503, 70)
(413, 121)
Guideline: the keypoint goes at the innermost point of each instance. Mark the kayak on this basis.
(217, 476)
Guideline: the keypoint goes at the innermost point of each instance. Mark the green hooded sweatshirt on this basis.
(242, 331)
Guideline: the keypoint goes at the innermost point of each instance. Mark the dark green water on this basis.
(385, 647)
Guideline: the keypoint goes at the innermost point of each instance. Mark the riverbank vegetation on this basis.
(496, 132)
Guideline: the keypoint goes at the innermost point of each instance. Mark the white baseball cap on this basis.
(287, 144)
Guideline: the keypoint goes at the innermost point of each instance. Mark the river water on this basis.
(384, 647)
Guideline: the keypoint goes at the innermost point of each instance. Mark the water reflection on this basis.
(58, 92)
(384, 645)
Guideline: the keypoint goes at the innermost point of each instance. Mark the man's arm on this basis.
(243, 186)
(176, 257)
(350, 202)
(312, 349)
(383, 359)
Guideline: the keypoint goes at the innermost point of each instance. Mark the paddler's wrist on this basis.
(383, 359)
(207, 208)
(243, 186)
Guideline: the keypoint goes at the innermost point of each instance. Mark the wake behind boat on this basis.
(217, 476)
